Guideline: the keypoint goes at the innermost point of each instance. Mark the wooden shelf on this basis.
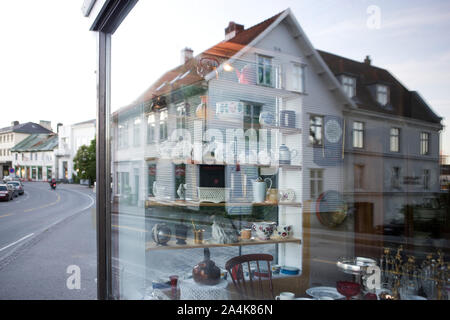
(283, 166)
(178, 203)
(151, 246)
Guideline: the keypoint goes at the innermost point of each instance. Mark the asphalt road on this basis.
(43, 235)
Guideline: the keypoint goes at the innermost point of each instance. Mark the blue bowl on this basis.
(290, 270)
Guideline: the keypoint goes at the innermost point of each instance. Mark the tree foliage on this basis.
(84, 162)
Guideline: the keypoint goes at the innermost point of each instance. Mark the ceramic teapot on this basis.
(285, 155)
(206, 272)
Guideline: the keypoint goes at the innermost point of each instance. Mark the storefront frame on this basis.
(110, 14)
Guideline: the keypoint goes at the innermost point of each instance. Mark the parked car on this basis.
(18, 185)
(6, 192)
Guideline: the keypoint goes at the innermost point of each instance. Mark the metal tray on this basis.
(355, 265)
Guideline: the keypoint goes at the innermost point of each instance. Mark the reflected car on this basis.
(6, 192)
(18, 186)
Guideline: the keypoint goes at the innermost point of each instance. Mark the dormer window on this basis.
(349, 85)
(382, 94)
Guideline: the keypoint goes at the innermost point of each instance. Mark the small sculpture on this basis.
(161, 233)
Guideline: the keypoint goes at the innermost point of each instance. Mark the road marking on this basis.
(21, 239)
(128, 228)
(58, 198)
(324, 261)
(6, 215)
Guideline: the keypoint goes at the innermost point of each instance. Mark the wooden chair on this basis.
(235, 268)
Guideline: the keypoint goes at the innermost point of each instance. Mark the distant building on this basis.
(71, 138)
(14, 134)
(33, 158)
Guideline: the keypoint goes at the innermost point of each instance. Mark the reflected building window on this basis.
(316, 182)
(359, 176)
(426, 179)
(265, 73)
(349, 86)
(163, 132)
(424, 143)
(151, 128)
(137, 132)
(298, 77)
(382, 94)
(395, 140)
(395, 180)
(316, 130)
(358, 135)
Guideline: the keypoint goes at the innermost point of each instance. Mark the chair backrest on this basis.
(246, 288)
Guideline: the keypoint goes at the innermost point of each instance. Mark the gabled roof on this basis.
(187, 72)
(27, 127)
(37, 142)
(402, 102)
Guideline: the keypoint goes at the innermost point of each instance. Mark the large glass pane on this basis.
(219, 154)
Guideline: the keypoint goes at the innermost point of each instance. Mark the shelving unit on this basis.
(177, 203)
(151, 246)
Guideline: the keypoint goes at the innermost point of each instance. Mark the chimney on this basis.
(46, 124)
(232, 30)
(57, 127)
(15, 123)
(367, 60)
(186, 55)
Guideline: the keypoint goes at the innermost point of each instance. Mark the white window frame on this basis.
(394, 140)
(298, 77)
(151, 128)
(265, 65)
(349, 85)
(425, 143)
(382, 94)
(137, 132)
(320, 142)
(316, 182)
(358, 135)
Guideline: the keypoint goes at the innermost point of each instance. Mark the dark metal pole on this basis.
(103, 175)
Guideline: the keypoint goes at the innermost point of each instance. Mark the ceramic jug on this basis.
(260, 189)
(285, 155)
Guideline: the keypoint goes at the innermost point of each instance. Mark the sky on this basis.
(48, 54)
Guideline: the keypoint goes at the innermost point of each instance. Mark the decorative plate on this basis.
(319, 292)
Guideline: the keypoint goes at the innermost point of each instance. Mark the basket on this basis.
(215, 195)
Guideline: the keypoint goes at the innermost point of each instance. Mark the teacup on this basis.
(264, 230)
(285, 296)
(284, 231)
